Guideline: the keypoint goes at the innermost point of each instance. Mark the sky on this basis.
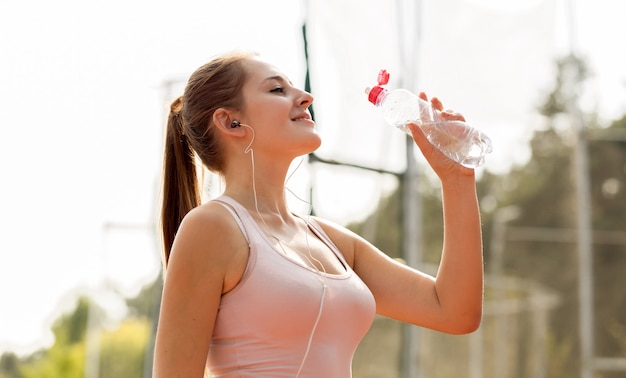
(84, 87)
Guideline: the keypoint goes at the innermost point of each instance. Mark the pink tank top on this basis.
(283, 318)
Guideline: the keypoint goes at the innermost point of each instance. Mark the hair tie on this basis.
(177, 106)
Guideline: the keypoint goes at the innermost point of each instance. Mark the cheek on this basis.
(270, 111)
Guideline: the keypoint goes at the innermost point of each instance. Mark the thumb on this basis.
(429, 151)
(418, 135)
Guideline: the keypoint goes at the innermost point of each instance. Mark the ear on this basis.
(223, 118)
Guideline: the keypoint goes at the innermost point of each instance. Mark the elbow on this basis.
(466, 323)
(470, 325)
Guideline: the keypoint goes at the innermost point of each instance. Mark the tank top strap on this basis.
(241, 216)
(250, 228)
(319, 231)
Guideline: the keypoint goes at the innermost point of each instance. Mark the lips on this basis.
(302, 117)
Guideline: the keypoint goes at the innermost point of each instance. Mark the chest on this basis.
(278, 298)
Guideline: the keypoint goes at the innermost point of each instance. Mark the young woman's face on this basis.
(278, 111)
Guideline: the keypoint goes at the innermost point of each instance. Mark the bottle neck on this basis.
(377, 95)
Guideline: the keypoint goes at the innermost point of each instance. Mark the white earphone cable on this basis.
(310, 258)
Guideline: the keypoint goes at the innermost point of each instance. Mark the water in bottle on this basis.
(456, 139)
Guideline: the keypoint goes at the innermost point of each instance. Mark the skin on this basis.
(209, 254)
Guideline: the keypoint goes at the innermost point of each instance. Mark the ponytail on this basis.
(190, 131)
(180, 183)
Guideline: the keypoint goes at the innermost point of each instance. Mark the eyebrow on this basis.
(278, 78)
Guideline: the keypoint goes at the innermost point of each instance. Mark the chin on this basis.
(317, 144)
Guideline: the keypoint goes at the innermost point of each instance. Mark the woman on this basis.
(254, 290)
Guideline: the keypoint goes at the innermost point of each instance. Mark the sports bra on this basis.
(284, 319)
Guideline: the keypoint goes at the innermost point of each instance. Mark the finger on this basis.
(450, 114)
(417, 132)
(423, 96)
(420, 137)
(436, 104)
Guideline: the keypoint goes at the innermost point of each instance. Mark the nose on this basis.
(305, 99)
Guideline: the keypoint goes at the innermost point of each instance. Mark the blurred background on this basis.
(84, 87)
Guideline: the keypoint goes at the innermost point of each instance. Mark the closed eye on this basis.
(278, 90)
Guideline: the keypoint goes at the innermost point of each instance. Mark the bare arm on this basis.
(207, 256)
(452, 301)
(459, 280)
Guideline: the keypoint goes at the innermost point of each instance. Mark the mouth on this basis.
(302, 117)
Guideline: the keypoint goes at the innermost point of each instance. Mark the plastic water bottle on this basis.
(456, 139)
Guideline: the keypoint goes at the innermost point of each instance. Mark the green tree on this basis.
(544, 190)
(62, 360)
(9, 366)
(66, 357)
(146, 303)
(122, 350)
(71, 328)
(608, 191)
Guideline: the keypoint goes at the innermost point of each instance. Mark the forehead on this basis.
(260, 71)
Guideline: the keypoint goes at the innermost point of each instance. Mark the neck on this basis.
(265, 196)
(270, 203)
(258, 184)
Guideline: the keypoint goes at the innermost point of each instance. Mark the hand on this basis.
(441, 164)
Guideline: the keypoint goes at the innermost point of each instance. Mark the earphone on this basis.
(235, 124)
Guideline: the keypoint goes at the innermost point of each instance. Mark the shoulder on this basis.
(209, 222)
(209, 241)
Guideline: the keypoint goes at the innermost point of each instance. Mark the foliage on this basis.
(608, 171)
(71, 328)
(545, 191)
(10, 366)
(571, 73)
(146, 303)
(123, 349)
(62, 360)
(67, 356)
(387, 235)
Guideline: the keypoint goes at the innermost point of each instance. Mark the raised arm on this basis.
(459, 279)
(458, 284)
(451, 301)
